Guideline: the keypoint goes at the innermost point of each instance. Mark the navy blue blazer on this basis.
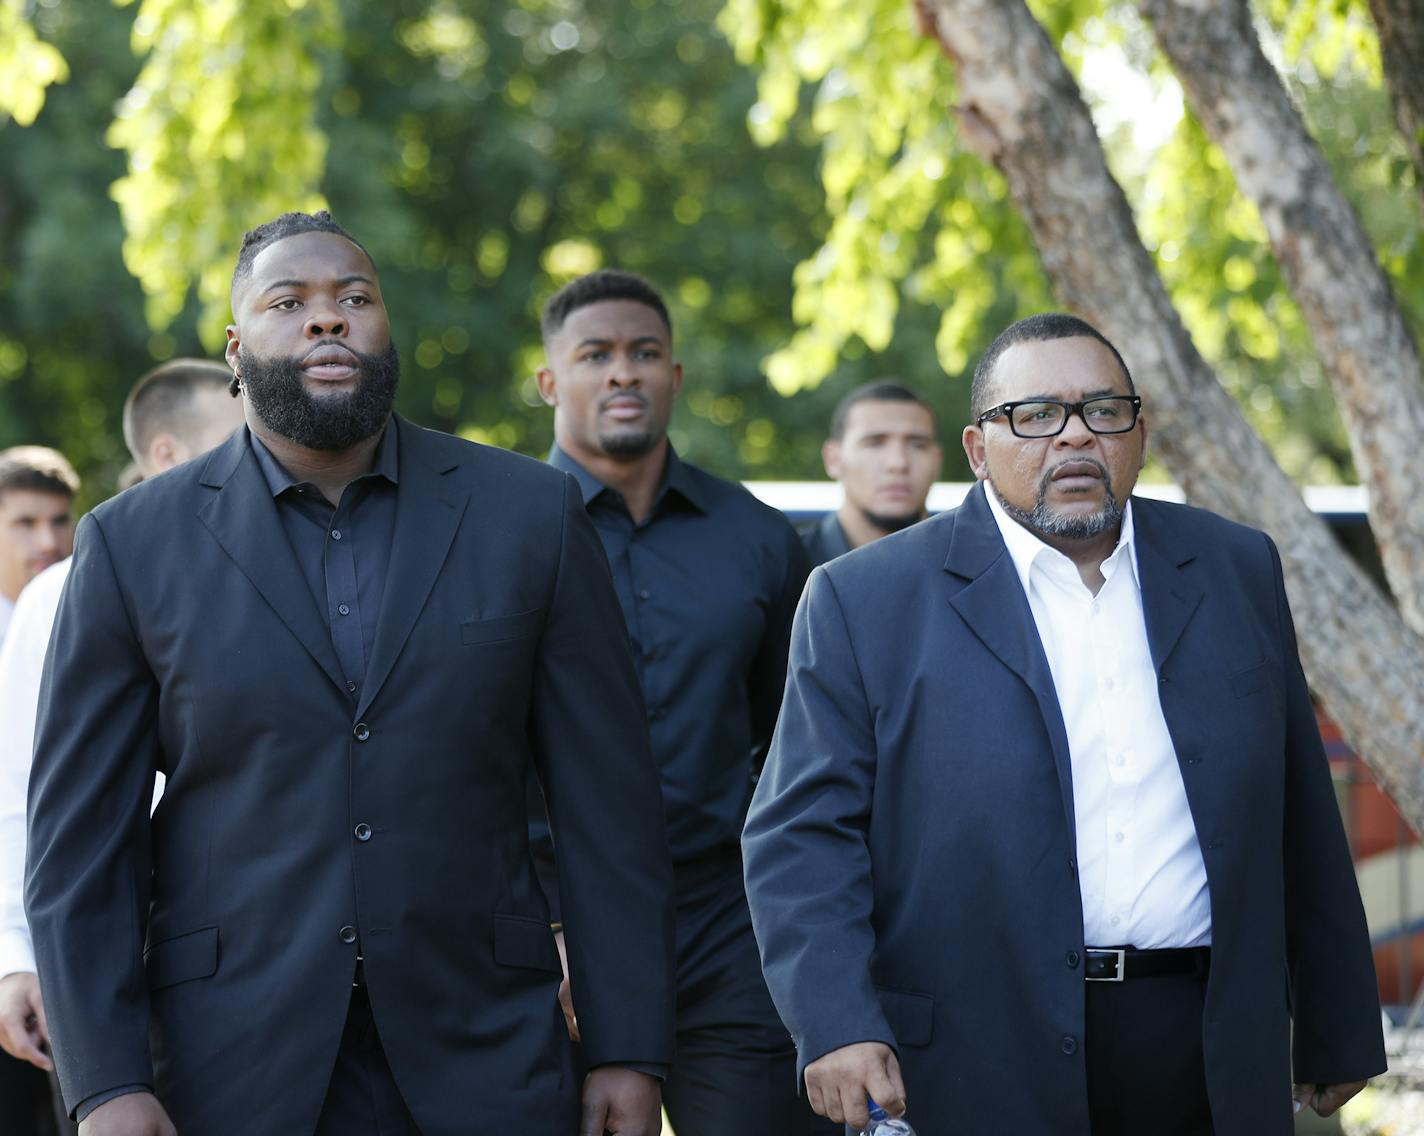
(210, 952)
(910, 847)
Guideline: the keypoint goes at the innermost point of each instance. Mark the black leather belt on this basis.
(1115, 964)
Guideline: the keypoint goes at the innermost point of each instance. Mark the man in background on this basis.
(173, 413)
(708, 578)
(37, 488)
(884, 450)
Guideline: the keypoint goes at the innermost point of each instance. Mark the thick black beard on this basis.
(1045, 522)
(627, 445)
(888, 524)
(328, 422)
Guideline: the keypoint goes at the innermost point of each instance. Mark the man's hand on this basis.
(620, 1101)
(133, 1114)
(566, 998)
(22, 1019)
(838, 1083)
(1325, 1099)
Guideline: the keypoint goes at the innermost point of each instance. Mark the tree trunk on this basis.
(1401, 34)
(1021, 108)
(1328, 263)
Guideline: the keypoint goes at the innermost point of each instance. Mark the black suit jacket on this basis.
(910, 847)
(206, 952)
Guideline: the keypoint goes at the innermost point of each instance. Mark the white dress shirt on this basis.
(21, 660)
(7, 611)
(1140, 869)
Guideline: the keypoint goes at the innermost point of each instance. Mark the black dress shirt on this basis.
(824, 539)
(708, 583)
(343, 550)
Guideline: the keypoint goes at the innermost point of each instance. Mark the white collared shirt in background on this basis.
(1140, 869)
(21, 660)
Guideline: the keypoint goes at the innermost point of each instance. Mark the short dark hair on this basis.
(163, 400)
(1043, 326)
(38, 469)
(280, 228)
(881, 390)
(605, 284)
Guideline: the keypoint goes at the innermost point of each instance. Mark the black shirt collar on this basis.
(677, 478)
(386, 463)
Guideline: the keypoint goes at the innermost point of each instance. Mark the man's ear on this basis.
(831, 458)
(548, 386)
(163, 452)
(1142, 425)
(234, 344)
(973, 441)
(676, 377)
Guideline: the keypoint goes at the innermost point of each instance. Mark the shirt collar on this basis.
(386, 463)
(677, 478)
(1025, 548)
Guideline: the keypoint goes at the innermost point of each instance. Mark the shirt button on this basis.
(1072, 958)
(347, 934)
(361, 732)
(363, 832)
(343, 609)
(1122, 759)
(1108, 683)
(1069, 1046)
(1116, 919)
(1119, 837)
(335, 534)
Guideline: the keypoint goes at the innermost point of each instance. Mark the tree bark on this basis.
(1328, 262)
(1400, 24)
(1021, 108)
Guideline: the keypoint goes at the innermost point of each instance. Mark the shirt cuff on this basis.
(654, 1069)
(89, 1104)
(17, 953)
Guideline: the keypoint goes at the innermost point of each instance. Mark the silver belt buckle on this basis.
(1121, 953)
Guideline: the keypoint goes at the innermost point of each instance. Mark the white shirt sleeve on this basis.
(21, 661)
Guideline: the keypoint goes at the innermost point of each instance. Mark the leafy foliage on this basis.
(27, 65)
(813, 218)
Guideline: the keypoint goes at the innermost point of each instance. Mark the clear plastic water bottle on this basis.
(883, 1124)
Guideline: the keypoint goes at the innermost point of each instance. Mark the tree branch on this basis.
(1328, 263)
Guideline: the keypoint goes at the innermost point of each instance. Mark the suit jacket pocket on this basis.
(522, 941)
(181, 958)
(499, 628)
(911, 1016)
(1249, 680)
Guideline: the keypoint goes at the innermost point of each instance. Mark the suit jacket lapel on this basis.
(243, 519)
(428, 513)
(994, 606)
(1170, 596)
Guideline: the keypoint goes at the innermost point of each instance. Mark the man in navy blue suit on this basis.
(1046, 842)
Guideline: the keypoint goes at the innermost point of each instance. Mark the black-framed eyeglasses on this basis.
(1047, 417)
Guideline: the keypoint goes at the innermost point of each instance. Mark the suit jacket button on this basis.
(1070, 1046)
(363, 832)
(361, 732)
(1072, 958)
(347, 934)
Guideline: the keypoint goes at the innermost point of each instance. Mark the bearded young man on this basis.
(345, 641)
(1047, 842)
